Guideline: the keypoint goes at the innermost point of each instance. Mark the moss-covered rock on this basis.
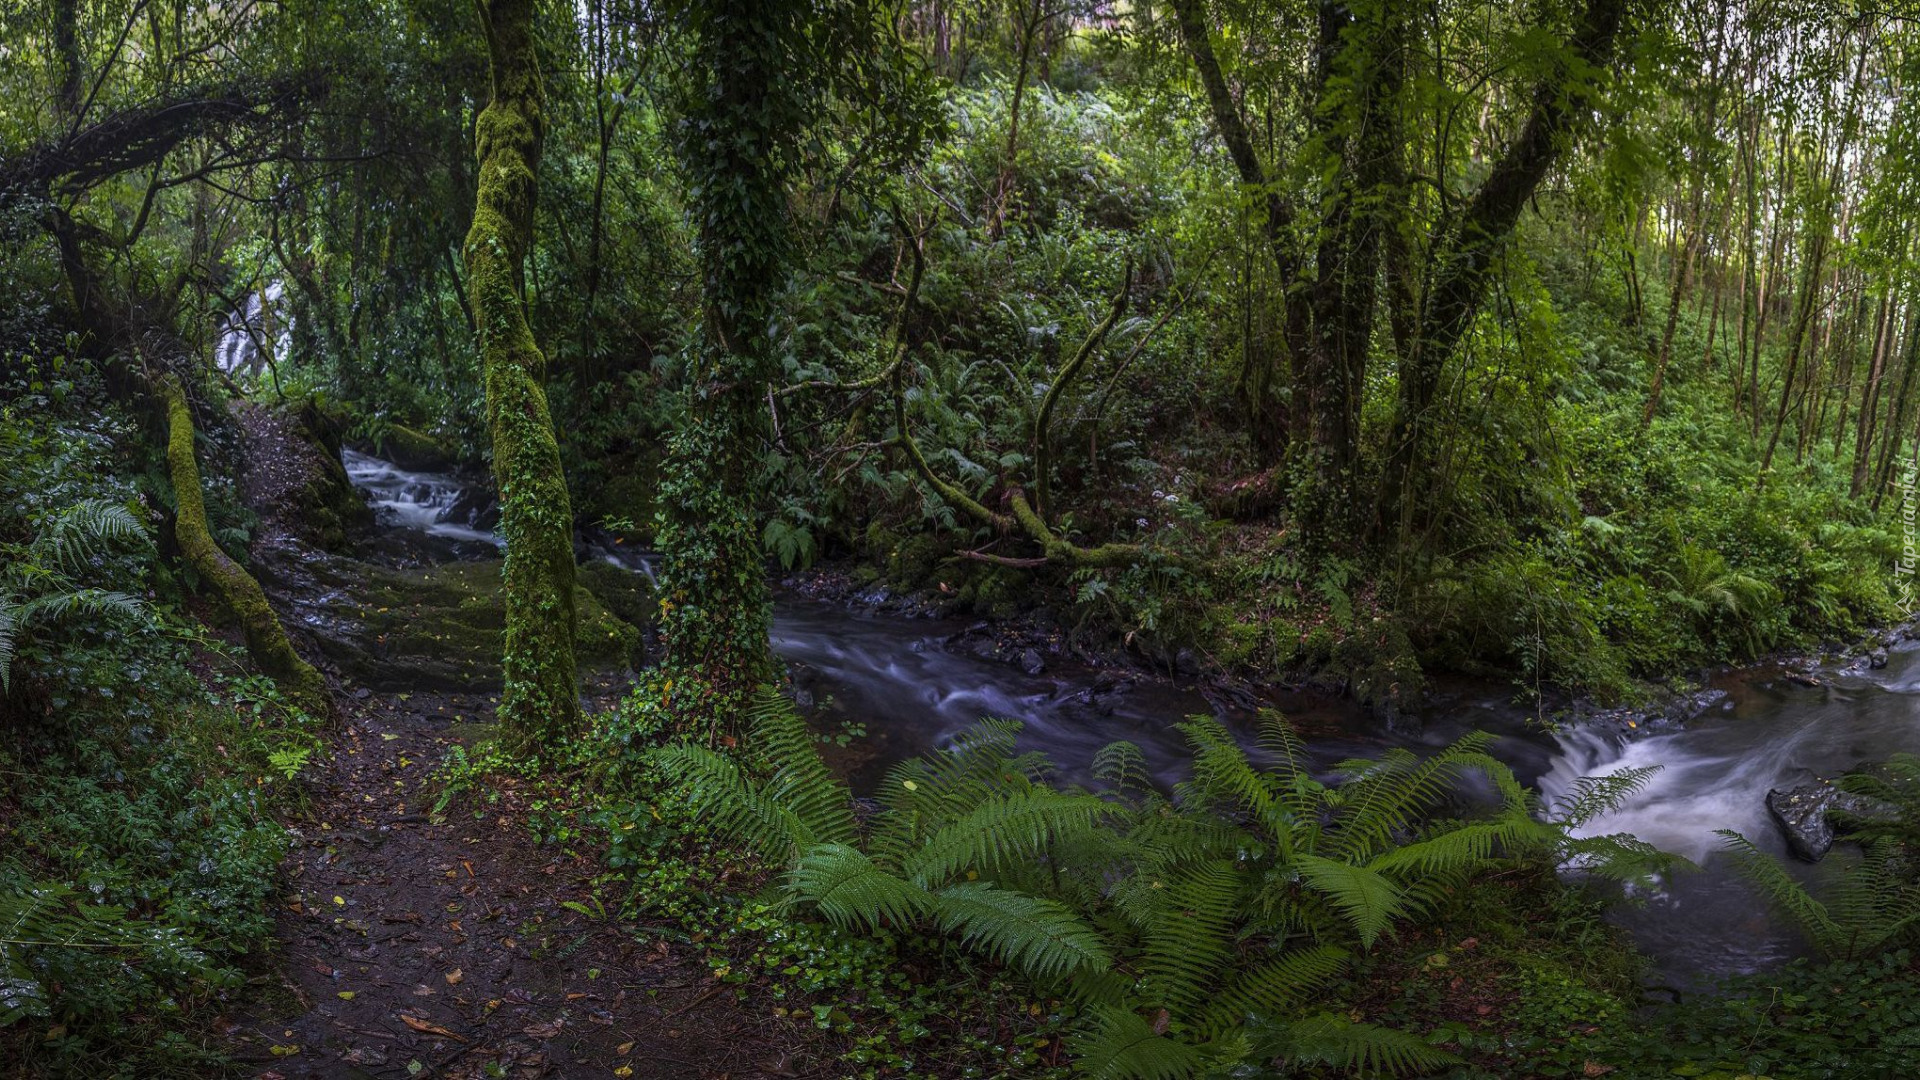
(629, 596)
(440, 628)
(414, 450)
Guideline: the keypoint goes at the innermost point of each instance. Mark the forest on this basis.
(1128, 539)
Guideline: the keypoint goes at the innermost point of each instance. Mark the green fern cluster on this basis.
(1868, 907)
(1193, 931)
(41, 582)
(52, 918)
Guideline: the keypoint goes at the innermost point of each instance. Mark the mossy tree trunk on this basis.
(238, 592)
(540, 701)
(715, 611)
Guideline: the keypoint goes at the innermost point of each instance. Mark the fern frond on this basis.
(55, 916)
(1189, 931)
(1383, 797)
(1617, 857)
(1595, 796)
(72, 537)
(6, 645)
(1122, 766)
(1457, 850)
(1002, 830)
(1274, 987)
(59, 606)
(1042, 936)
(1368, 899)
(1329, 1039)
(1171, 837)
(801, 781)
(1223, 779)
(924, 793)
(719, 789)
(1780, 889)
(1117, 1044)
(850, 890)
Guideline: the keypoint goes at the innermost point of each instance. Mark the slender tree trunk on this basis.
(1029, 22)
(539, 704)
(1682, 278)
(1896, 424)
(1272, 426)
(1463, 254)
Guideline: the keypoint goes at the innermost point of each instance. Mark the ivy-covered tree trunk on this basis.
(540, 700)
(715, 612)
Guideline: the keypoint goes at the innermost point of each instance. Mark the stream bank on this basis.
(885, 679)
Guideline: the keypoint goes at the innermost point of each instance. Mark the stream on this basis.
(898, 686)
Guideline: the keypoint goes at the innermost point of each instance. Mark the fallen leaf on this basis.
(544, 1031)
(345, 995)
(454, 977)
(623, 1049)
(624, 1070)
(422, 1026)
(339, 900)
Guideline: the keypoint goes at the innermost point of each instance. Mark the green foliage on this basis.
(1868, 909)
(138, 850)
(40, 581)
(1240, 897)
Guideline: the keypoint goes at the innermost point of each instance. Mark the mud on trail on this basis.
(415, 949)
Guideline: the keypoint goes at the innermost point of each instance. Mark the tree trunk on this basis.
(1468, 243)
(539, 704)
(236, 589)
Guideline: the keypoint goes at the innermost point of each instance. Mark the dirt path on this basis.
(414, 949)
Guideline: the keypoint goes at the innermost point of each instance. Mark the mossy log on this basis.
(539, 702)
(238, 592)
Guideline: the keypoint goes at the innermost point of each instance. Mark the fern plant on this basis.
(1893, 789)
(1868, 907)
(41, 583)
(1171, 920)
(40, 923)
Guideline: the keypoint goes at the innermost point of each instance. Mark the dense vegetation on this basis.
(1568, 345)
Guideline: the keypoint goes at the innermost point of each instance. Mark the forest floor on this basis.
(412, 948)
(415, 945)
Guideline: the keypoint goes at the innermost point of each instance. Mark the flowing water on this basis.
(899, 686)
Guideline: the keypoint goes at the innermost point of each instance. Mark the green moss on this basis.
(539, 704)
(445, 626)
(410, 448)
(622, 592)
(238, 592)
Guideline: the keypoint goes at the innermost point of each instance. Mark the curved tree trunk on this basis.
(239, 593)
(540, 701)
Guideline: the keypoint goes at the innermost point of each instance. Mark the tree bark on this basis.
(539, 704)
(1473, 237)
